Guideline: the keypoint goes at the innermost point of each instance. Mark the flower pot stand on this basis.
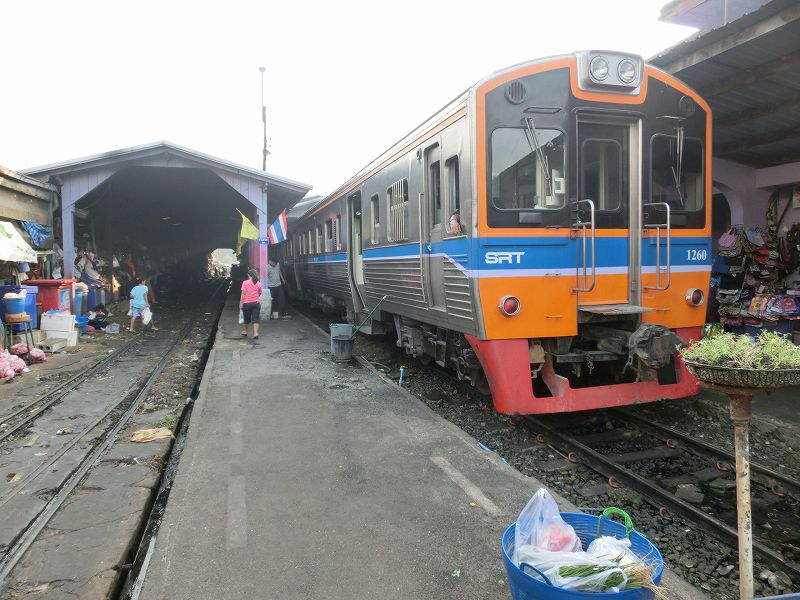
(740, 400)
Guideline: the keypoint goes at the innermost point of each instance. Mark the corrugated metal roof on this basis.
(134, 152)
(749, 72)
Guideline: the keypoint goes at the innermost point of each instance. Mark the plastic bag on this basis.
(610, 548)
(609, 578)
(540, 525)
(37, 355)
(147, 315)
(113, 328)
(241, 317)
(19, 349)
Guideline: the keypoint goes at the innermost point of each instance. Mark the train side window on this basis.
(375, 210)
(320, 240)
(309, 245)
(435, 191)
(329, 235)
(337, 233)
(454, 226)
(397, 197)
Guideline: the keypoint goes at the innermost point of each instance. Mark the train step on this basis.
(615, 309)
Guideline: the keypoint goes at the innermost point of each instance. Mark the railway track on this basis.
(92, 408)
(620, 470)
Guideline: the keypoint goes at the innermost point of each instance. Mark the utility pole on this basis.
(264, 121)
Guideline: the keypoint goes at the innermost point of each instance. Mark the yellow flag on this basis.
(247, 232)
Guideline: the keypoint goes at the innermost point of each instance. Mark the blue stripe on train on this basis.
(549, 253)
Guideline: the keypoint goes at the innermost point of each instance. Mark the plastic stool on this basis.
(23, 319)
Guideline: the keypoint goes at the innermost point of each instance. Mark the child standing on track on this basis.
(139, 304)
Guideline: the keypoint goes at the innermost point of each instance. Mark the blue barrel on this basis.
(81, 322)
(79, 302)
(528, 585)
(29, 306)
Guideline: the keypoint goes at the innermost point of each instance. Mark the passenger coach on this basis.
(547, 234)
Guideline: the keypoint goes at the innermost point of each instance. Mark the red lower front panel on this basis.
(506, 364)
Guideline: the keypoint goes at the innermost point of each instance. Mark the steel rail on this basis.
(16, 550)
(758, 471)
(656, 494)
(50, 397)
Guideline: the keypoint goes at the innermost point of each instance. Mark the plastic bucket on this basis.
(342, 348)
(340, 330)
(79, 303)
(82, 322)
(527, 585)
(14, 306)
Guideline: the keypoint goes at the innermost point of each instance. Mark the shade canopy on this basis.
(12, 247)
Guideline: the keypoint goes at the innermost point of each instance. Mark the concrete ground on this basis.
(304, 478)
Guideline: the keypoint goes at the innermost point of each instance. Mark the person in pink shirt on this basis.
(249, 302)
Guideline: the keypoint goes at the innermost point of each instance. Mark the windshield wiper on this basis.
(676, 170)
(533, 141)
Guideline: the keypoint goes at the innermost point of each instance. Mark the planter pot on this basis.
(750, 378)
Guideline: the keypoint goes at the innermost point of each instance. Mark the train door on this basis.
(608, 176)
(432, 225)
(356, 244)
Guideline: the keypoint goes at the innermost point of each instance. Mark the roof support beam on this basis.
(756, 112)
(749, 76)
(776, 21)
(748, 143)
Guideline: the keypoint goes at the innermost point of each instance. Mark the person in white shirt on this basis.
(275, 283)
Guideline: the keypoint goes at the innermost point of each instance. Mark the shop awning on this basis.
(12, 247)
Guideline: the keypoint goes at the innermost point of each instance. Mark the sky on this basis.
(344, 80)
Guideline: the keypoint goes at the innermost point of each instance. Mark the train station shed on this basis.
(172, 200)
(745, 61)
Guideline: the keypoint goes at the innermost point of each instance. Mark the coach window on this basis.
(435, 191)
(320, 240)
(454, 226)
(337, 233)
(375, 210)
(329, 235)
(397, 197)
(527, 170)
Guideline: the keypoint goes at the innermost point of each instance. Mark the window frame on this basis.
(375, 218)
(565, 175)
(403, 223)
(448, 169)
(702, 208)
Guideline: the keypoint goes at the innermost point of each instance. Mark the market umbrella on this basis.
(12, 247)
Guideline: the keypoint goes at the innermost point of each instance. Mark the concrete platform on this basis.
(304, 478)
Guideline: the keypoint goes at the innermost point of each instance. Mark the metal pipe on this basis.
(740, 410)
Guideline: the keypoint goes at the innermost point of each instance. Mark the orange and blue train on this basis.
(546, 235)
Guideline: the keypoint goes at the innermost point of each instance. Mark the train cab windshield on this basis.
(677, 172)
(528, 170)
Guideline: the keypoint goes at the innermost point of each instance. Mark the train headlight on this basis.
(598, 68)
(509, 305)
(626, 71)
(695, 297)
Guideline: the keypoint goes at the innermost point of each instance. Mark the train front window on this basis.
(524, 176)
(677, 172)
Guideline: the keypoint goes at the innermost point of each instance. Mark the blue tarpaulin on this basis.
(39, 233)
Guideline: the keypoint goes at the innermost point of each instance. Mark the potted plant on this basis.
(769, 361)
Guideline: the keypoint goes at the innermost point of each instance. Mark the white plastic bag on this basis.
(540, 525)
(551, 563)
(610, 548)
(147, 316)
(241, 317)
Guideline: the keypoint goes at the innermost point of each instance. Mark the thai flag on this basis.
(277, 231)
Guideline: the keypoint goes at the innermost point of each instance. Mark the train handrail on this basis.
(658, 227)
(579, 224)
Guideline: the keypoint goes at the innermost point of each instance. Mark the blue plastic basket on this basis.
(82, 322)
(532, 586)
